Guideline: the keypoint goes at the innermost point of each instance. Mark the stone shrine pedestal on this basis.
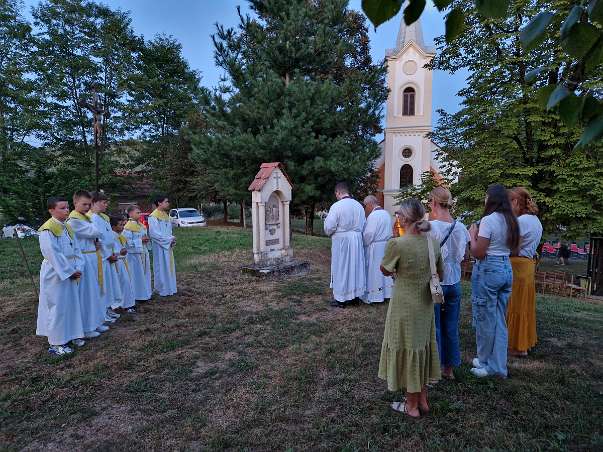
(270, 199)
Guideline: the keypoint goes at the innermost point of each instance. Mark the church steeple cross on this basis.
(277, 178)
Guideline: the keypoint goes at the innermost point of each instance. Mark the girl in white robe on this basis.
(164, 267)
(59, 310)
(138, 258)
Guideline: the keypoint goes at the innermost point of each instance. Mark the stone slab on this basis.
(292, 267)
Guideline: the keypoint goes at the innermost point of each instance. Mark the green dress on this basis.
(409, 354)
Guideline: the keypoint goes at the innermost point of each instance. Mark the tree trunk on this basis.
(242, 214)
(225, 203)
(309, 215)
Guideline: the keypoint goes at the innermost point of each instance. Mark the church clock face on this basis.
(406, 153)
(409, 67)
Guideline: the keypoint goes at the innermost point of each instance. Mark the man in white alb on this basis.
(377, 231)
(344, 224)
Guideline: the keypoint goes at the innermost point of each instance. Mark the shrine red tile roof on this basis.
(264, 174)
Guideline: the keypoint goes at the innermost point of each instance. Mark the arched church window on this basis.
(408, 102)
(405, 176)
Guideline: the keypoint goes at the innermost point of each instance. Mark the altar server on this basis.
(121, 266)
(91, 285)
(160, 231)
(59, 311)
(138, 255)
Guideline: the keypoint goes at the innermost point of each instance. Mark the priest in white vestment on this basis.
(160, 232)
(344, 224)
(377, 231)
(59, 309)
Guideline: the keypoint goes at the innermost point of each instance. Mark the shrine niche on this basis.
(270, 199)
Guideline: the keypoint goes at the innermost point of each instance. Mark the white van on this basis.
(187, 218)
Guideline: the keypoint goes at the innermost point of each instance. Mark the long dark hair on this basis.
(498, 201)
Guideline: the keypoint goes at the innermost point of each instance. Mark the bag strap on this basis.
(432, 264)
(448, 235)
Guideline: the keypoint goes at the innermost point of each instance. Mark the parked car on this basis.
(187, 218)
(21, 230)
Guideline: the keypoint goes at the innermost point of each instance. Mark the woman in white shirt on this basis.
(521, 313)
(491, 244)
(453, 238)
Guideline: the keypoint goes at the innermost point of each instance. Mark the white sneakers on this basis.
(78, 342)
(111, 313)
(91, 334)
(479, 372)
(477, 363)
(60, 350)
(102, 328)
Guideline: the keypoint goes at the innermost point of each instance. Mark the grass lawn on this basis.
(237, 363)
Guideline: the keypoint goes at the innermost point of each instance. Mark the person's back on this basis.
(346, 215)
(453, 250)
(413, 261)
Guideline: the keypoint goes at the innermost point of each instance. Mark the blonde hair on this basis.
(411, 212)
(524, 200)
(442, 196)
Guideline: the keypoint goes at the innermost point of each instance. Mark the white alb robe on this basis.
(112, 291)
(123, 274)
(139, 263)
(93, 303)
(59, 308)
(344, 224)
(377, 231)
(164, 267)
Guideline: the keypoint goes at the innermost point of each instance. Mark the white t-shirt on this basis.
(494, 228)
(530, 230)
(453, 250)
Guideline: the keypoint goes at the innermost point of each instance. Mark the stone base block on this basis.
(291, 267)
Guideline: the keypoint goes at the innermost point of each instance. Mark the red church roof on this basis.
(264, 174)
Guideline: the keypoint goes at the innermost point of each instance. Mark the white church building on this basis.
(406, 152)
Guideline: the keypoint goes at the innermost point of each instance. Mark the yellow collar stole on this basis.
(56, 227)
(74, 214)
(102, 215)
(133, 226)
(122, 240)
(160, 215)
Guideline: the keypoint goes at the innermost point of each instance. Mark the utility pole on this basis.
(99, 115)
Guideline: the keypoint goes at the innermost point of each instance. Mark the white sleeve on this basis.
(84, 229)
(330, 225)
(368, 234)
(485, 227)
(157, 236)
(79, 258)
(49, 245)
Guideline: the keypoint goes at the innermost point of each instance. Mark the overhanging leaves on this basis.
(570, 21)
(413, 11)
(580, 39)
(380, 11)
(493, 9)
(534, 73)
(558, 94)
(569, 110)
(543, 94)
(442, 4)
(533, 33)
(595, 11)
(455, 23)
(593, 132)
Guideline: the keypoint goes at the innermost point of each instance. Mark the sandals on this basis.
(400, 407)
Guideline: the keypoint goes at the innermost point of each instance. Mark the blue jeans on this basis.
(447, 326)
(491, 283)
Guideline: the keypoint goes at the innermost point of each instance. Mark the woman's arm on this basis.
(479, 245)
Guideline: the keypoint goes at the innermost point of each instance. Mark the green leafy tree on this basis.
(505, 133)
(301, 89)
(579, 39)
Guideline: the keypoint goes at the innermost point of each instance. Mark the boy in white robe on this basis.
(121, 266)
(377, 231)
(138, 258)
(160, 231)
(112, 296)
(344, 224)
(59, 309)
(91, 283)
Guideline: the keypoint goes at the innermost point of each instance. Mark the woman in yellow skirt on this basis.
(521, 312)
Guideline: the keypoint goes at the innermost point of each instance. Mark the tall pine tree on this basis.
(301, 89)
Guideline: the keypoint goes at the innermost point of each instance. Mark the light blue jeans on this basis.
(491, 283)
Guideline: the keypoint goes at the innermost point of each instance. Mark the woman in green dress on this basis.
(409, 354)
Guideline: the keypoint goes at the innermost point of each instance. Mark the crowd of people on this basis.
(97, 267)
(375, 259)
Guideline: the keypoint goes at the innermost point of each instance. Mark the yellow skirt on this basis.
(521, 312)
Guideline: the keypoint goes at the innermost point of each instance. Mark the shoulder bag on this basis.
(437, 293)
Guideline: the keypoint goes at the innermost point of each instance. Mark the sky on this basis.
(193, 21)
